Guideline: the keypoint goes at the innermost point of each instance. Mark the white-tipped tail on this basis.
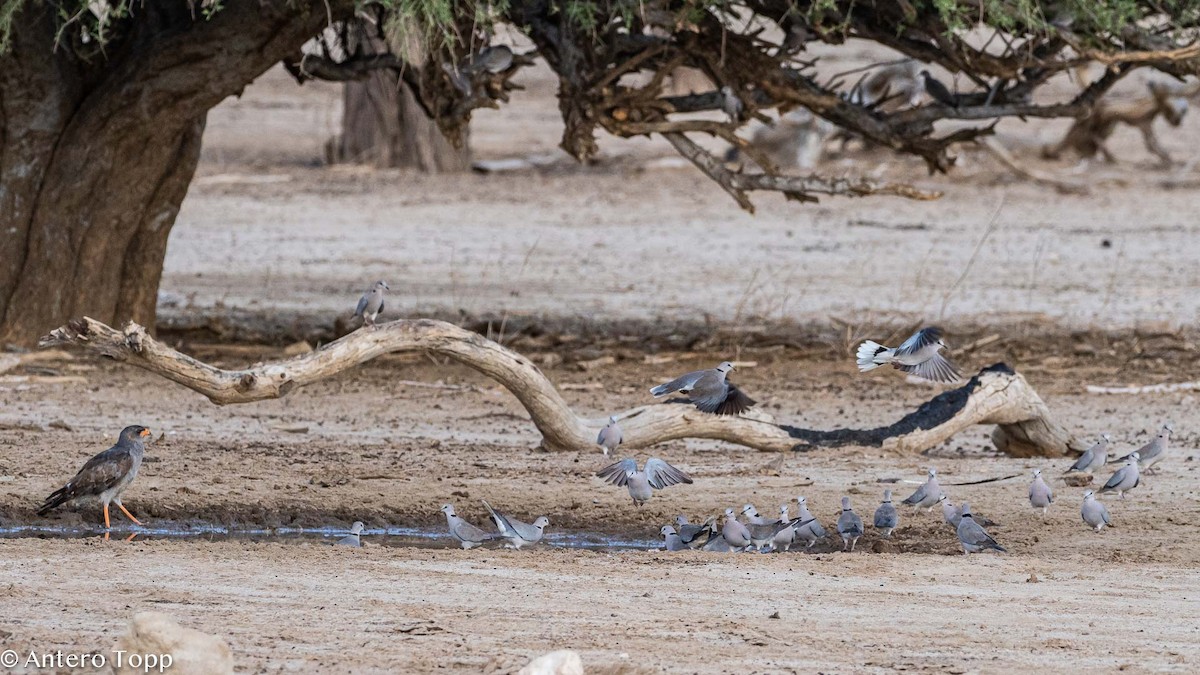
(871, 355)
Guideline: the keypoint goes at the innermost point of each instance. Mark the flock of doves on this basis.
(106, 476)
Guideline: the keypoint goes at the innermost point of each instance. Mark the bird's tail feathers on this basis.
(56, 499)
(660, 390)
(869, 355)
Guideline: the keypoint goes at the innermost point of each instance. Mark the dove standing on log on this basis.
(927, 495)
(1040, 494)
(849, 525)
(735, 533)
(494, 59)
(886, 518)
(1126, 478)
(1094, 457)
(611, 436)
(105, 476)
(1153, 452)
(709, 391)
(1094, 513)
(467, 534)
(731, 104)
(641, 484)
(918, 355)
(938, 91)
(370, 305)
(972, 536)
(354, 538)
(813, 531)
(516, 533)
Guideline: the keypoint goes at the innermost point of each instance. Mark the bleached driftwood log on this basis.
(996, 395)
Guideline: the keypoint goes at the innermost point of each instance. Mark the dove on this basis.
(849, 525)
(918, 356)
(610, 437)
(811, 532)
(950, 512)
(1094, 512)
(709, 391)
(1094, 457)
(671, 539)
(370, 305)
(467, 534)
(717, 544)
(735, 533)
(938, 91)
(731, 104)
(493, 59)
(926, 495)
(1040, 494)
(972, 536)
(752, 516)
(1126, 478)
(352, 539)
(694, 535)
(105, 476)
(885, 516)
(518, 534)
(787, 535)
(641, 484)
(1153, 452)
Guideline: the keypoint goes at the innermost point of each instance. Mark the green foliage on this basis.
(8, 14)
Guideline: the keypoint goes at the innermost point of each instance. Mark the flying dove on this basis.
(641, 484)
(787, 535)
(693, 535)
(709, 390)
(735, 533)
(610, 437)
(671, 539)
(849, 525)
(938, 91)
(811, 532)
(1126, 478)
(1153, 452)
(352, 539)
(1094, 512)
(752, 516)
(467, 534)
(518, 534)
(493, 59)
(927, 495)
(950, 512)
(370, 305)
(885, 516)
(918, 356)
(972, 536)
(1040, 494)
(731, 104)
(106, 475)
(1094, 457)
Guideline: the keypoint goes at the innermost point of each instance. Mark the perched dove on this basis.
(709, 390)
(735, 533)
(671, 539)
(467, 534)
(918, 355)
(950, 512)
(787, 535)
(695, 535)
(493, 59)
(106, 475)
(1040, 494)
(752, 516)
(849, 525)
(731, 104)
(938, 91)
(370, 305)
(885, 516)
(1094, 512)
(1094, 457)
(610, 437)
(927, 495)
(518, 534)
(812, 532)
(972, 536)
(1126, 478)
(352, 539)
(641, 484)
(1153, 452)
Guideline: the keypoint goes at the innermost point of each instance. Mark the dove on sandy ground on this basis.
(1126, 478)
(105, 476)
(370, 305)
(927, 495)
(354, 538)
(1094, 457)
(735, 533)
(1094, 513)
(610, 437)
(1153, 452)
(786, 536)
(467, 534)
(671, 539)
(731, 104)
(886, 518)
(950, 512)
(695, 535)
(918, 356)
(938, 91)
(641, 484)
(1040, 494)
(716, 544)
(972, 536)
(752, 516)
(812, 532)
(516, 533)
(709, 391)
(493, 59)
(849, 525)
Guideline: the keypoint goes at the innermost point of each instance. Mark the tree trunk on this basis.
(383, 125)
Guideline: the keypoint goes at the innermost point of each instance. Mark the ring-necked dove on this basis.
(106, 475)
(516, 533)
(671, 539)
(731, 104)
(918, 355)
(641, 484)
(717, 544)
(1040, 494)
(927, 495)
(1153, 452)
(849, 525)
(493, 59)
(1094, 512)
(694, 535)
(709, 390)
(950, 512)
(735, 533)
(467, 534)
(972, 536)
(787, 535)
(1094, 457)
(370, 305)
(610, 437)
(354, 538)
(886, 518)
(1126, 478)
(813, 531)
(938, 91)
(752, 516)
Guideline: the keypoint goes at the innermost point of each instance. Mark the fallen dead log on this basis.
(997, 395)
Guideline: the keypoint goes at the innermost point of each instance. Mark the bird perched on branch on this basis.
(938, 91)
(709, 390)
(493, 59)
(105, 476)
(370, 305)
(918, 355)
(641, 484)
(731, 104)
